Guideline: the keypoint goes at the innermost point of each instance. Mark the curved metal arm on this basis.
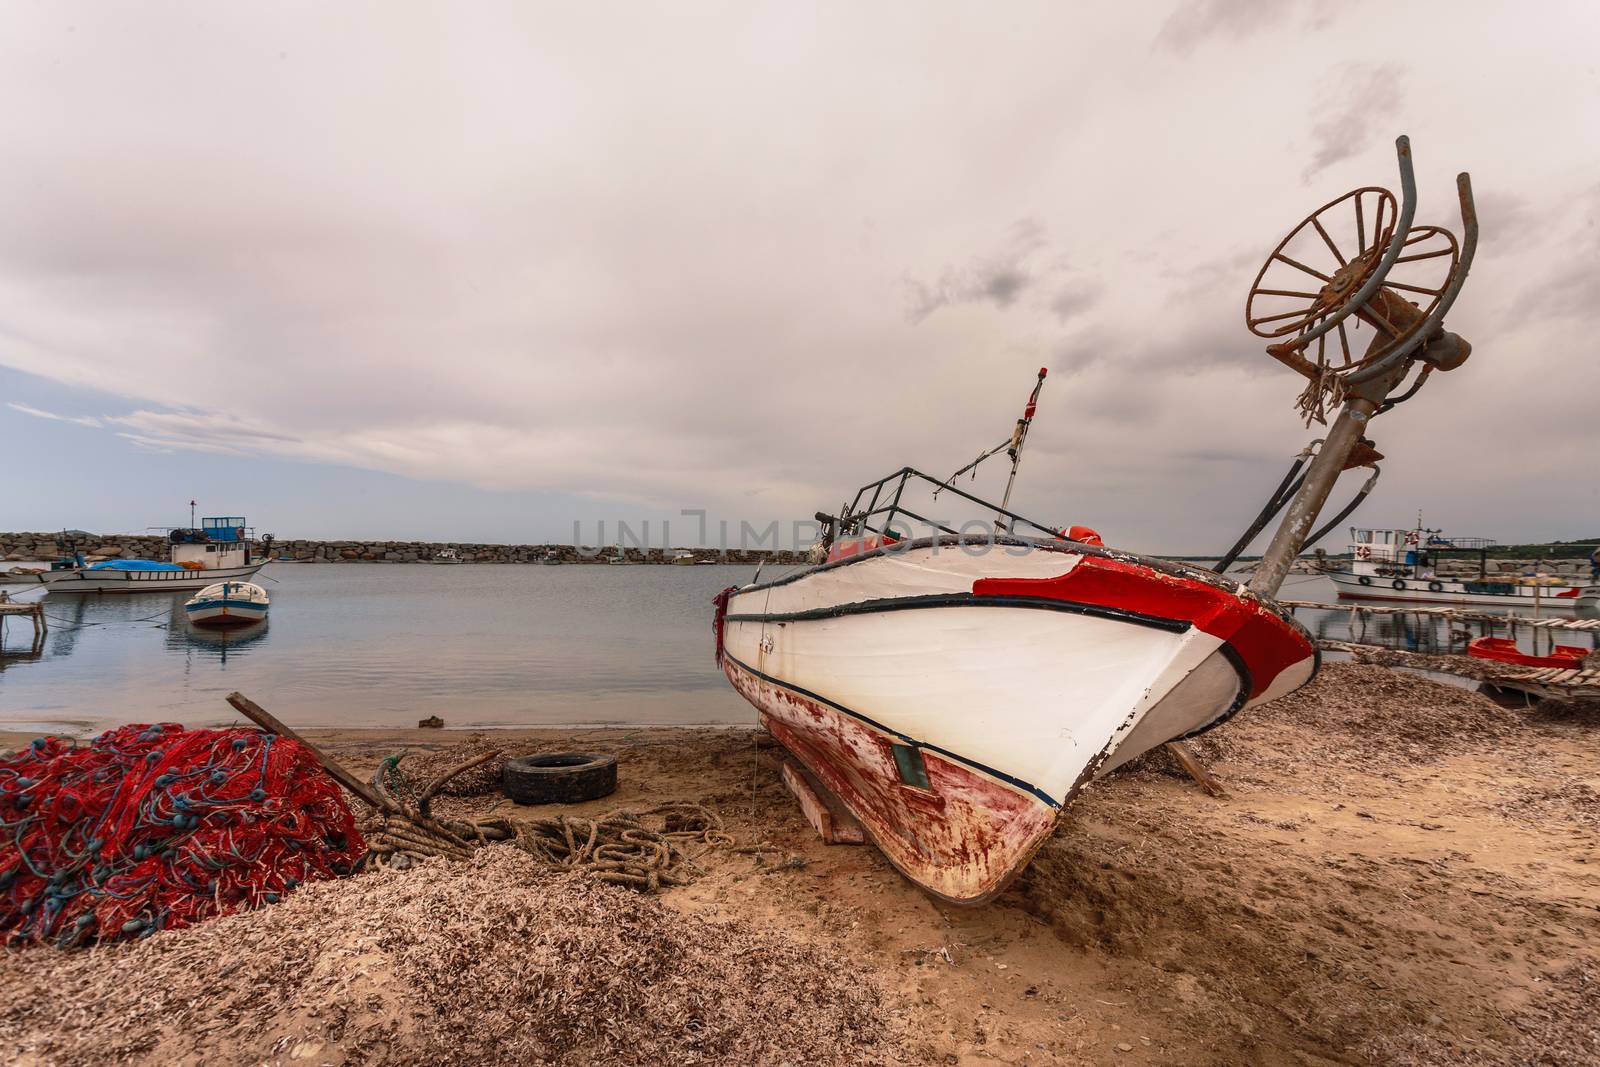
(1402, 230)
(1430, 325)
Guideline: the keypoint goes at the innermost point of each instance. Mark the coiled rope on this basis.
(644, 850)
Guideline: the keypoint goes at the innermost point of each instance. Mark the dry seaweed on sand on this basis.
(1353, 713)
(1558, 1028)
(490, 960)
(482, 780)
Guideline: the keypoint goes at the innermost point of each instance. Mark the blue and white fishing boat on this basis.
(226, 604)
(217, 550)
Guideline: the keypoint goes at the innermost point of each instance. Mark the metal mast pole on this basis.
(1018, 437)
(1322, 472)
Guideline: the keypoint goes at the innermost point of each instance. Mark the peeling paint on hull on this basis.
(1015, 678)
(963, 840)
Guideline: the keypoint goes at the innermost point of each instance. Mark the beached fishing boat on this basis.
(227, 604)
(955, 690)
(217, 550)
(1411, 565)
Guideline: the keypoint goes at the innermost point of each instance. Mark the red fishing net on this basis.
(151, 827)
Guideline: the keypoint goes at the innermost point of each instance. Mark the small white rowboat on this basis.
(227, 604)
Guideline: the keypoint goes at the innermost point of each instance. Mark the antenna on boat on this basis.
(1012, 446)
(191, 514)
(1350, 291)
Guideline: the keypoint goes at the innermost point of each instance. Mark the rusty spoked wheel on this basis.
(1306, 289)
(1323, 261)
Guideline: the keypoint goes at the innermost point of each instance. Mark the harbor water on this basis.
(368, 645)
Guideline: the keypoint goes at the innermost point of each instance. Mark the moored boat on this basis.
(1413, 565)
(217, 550)
(227, 604)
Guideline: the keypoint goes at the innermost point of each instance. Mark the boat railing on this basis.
(886, 501)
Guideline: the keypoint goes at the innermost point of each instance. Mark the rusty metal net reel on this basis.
(1354, 289)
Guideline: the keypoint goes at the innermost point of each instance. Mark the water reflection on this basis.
(477, 645)
(184, 636)
(1431, 636)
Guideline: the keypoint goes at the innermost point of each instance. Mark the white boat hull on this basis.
(112, 581)
(226, 613)
(1552, 600)
(1010, 679)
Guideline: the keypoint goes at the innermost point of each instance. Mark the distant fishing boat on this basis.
(446, 555)
(683, 558)
(217, 550)
(549, 559)
(1403, 565)
(227, 604)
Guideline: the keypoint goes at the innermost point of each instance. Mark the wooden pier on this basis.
(1556, 683)
(1537, 622)
(34, 611)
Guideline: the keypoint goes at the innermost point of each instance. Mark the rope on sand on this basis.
(622, 847)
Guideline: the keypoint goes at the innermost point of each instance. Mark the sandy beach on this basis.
(1401, 872)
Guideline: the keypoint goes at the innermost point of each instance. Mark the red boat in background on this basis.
(1506, 651)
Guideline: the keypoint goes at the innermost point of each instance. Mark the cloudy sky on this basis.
(479, 271)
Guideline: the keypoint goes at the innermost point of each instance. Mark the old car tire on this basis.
(1364, 580)
(1435, 587)
(559, 778)
(1398, 584)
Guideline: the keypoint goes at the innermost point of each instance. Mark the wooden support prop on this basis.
(269, 722)
(827, 816)
(1197, 770)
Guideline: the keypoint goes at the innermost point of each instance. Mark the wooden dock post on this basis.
(34, 610)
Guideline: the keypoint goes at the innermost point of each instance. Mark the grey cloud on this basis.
(1353, 99)
(1564, 244)
(530, 254)
(998, 278)
(1075, 299)
(1193, 22)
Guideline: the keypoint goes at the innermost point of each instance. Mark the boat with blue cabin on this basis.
(1423, 566)
(217, 550)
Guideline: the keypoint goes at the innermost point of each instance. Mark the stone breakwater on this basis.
(18, 547)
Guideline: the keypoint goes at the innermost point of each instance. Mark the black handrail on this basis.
(853, 521)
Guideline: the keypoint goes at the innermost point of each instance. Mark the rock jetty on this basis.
(18, 547)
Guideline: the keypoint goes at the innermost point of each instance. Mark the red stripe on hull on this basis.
(963, 839)
(1267, 643)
